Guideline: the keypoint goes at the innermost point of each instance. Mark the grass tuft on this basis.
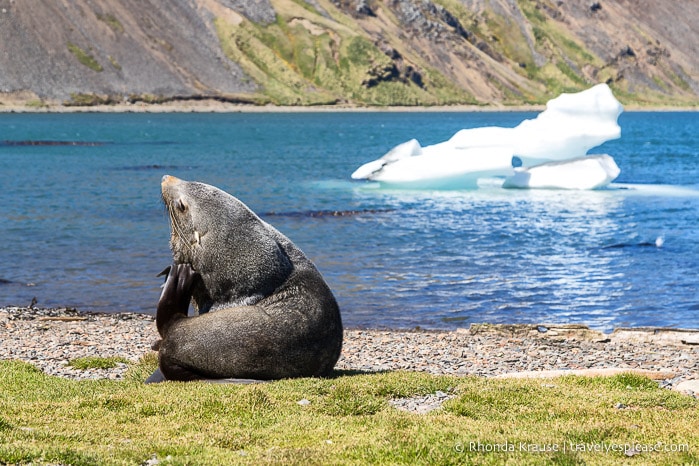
(95, 362)
(85, 58)
(5, 425)
(111, 21)
(143, 369)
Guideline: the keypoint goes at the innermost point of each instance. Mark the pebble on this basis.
(50, 338)
(690, 387)
(422, 404)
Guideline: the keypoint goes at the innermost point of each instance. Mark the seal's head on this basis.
(237, 254)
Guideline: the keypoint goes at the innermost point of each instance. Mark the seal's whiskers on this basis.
(177, 231)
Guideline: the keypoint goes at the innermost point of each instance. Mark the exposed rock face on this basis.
(123, 47)
(258, 11)
(426, 19)
(357, 51)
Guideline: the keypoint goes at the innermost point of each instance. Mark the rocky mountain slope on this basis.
(356, 52)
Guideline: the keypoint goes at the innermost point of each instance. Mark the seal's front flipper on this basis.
(176, 294)
(187, 277)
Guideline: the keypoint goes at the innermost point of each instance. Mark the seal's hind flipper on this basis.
(234, 381)
(156, 377)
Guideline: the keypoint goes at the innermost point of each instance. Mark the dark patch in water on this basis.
(153, 167)
(6, 282)
(327, 213)
(146, 143)
(456, 319)
(53, 143)
(631, 245)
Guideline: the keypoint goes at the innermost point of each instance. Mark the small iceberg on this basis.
(587, 172)
(549, 151)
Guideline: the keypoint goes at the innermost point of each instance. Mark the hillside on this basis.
(350, 52)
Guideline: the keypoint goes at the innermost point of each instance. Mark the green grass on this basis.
(94, 362)
(85, 58)
(88, 100)
(47, 419)
(114, 63)
(306, 59)
(36, 103)
(111, 21)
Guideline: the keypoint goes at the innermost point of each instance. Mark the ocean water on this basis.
(83, 225)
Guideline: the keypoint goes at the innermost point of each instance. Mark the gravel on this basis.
(50, 338)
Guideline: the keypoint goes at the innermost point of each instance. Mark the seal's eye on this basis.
(181, 205)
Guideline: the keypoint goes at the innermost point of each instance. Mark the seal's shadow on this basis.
(337, 373)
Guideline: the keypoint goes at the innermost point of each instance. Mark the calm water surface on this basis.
(83, 226)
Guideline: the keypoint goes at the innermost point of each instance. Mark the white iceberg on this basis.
(587, 172)
(571, 125)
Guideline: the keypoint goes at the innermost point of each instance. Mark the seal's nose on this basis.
(169, 180)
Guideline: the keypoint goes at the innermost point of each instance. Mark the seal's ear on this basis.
(165, 272)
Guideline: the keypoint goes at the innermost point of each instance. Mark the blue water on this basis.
(83, 226)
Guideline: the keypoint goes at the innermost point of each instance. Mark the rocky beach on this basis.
(50, 338)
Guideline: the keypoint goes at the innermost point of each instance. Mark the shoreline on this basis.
(579, 330)
(213, 106)
(50, 338)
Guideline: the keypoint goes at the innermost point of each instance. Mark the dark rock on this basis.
(356, 8)
(450, 20)
(400, 70)
(363, 9)
(381, 74)
(414, 76)
(429, 20)
(627, 52)
(488, 50)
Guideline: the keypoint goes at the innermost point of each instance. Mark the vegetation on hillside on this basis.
(334, 54)
(350, 52)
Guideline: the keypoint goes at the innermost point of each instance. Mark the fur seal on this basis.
(264, 310)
